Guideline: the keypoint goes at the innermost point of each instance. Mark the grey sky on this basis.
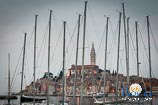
(17, 17)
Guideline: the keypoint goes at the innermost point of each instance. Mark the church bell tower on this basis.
(92, 56)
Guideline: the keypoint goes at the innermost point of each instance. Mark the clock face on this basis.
(135, 89)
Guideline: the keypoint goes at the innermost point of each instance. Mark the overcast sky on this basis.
(17, 17)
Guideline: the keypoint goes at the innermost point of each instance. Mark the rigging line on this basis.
(53, 55)
(54, 23)
(121, 65)
(131, 45)
(70, 57)
(144, 47)
(92, 19)
(16, 68)
(145, 50)
(40, 60)
(132, 40)
(102, 38)
(43, 41)
(56, 46)
(103, 34)
(30, 80)
(99, 48)
(15, 74)
(15, 79)
(134, 48)
(143, 70)
(25, 81)
(145, 66)
(57, 63)
(122, 59)
(154, 41)
(113, 42)
(41, 52)
(114, 30)
(73, 46)
(20, 72)
(58, 39)
(143, 43)
(29, 39)
(56, 18)
(70, 41)
(87, 31)
(28, 68)
(72, 36)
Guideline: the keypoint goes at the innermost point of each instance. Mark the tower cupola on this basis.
(93, 55)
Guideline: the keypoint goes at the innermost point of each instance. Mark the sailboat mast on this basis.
(50, 19)
(128, 29)
(105, 62)
(23, 62)
(83, 52)
(8, 78)
(76, 61)
(149, 60)
(63, 68)
(49, 37)
(34, 66)
(126, 46)
(137, 48)
(118, 53)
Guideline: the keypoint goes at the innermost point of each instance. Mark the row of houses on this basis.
(93, 80)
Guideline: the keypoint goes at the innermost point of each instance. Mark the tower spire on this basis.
(93, 55)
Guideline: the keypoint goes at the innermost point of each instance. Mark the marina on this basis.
(53, 101)
(120, 79)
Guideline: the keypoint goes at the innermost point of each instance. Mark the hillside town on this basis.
(93, 81)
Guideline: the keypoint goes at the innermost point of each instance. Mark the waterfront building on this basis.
(93, 77)
(93, 81)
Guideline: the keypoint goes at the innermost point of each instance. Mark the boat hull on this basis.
(31, 99)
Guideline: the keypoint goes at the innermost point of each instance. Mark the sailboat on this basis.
(64, 101)
(105, 98)
(145, 98)
(33, 98)
(128, 98)
(9, 97)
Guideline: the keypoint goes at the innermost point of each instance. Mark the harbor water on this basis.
(56, 101)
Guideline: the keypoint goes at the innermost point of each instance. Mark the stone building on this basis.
(93, 80)
(92, 74)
